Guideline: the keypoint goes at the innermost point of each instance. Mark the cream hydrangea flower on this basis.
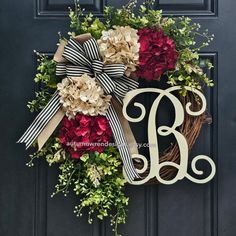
(120, 45)
(83, 95)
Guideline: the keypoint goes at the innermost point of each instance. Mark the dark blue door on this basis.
(184, 209)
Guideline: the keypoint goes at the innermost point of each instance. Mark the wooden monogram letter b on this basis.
(153, 165)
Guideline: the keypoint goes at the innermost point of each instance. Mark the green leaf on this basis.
(84, 157)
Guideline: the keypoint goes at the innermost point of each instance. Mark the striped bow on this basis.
(78, 59)
(86, 59)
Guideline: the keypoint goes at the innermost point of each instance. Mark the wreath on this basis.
(80, 127)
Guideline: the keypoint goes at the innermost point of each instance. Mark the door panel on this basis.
(183, 209)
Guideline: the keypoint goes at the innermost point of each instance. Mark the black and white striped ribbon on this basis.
(41, 121)
(121, 143)
(85, 58)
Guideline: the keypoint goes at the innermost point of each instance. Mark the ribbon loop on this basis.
(76, 45)
(76, 57)
(91, 49)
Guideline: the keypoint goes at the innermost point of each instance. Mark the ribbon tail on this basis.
(50, 128)
(128, 167)
(131, 141)
(40, 122)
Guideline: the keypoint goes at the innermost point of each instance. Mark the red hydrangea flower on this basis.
(85, 134)
(157, 54)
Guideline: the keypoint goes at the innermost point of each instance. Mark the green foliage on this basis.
(52, 151)
(182, 30)
(46, 71)
(188, 72)
(97, 178)
(147, 17)
(81, 23)
(186, 34)
(47, 79)
(40, 101)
